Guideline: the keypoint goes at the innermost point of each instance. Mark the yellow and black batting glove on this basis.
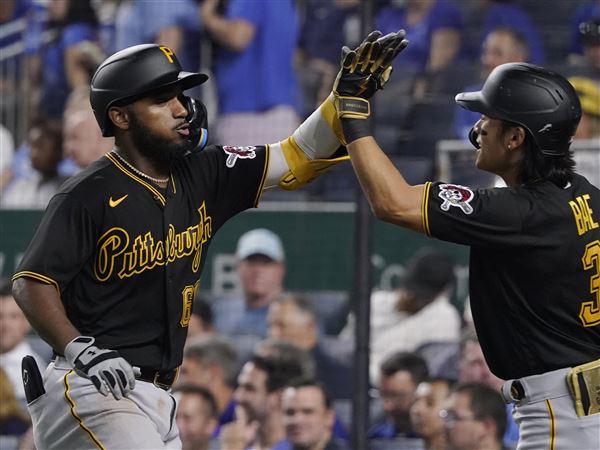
(364, 71)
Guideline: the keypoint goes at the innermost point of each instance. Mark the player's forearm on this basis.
(320, 135)
(171, 37)
(391, 198)
(44, 310)
(308, 151)
(235, 35)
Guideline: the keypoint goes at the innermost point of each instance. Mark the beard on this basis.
(153, 146)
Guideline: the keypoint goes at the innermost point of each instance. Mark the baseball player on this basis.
(535, 245)
(109, 277)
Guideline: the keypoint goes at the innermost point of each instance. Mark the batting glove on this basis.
(363, 72)
(105, 368)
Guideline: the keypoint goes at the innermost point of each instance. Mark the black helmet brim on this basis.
(186, 80)
(473, 101)
(190, 79)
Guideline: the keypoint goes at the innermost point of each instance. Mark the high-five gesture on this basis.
(363, 71)
(367, 68)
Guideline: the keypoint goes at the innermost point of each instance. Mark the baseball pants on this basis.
(545, 413)
(72, 414)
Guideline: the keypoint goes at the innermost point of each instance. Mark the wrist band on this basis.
(352, 107)
(356, 128)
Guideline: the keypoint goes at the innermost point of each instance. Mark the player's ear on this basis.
(119, 117)
(515, 137)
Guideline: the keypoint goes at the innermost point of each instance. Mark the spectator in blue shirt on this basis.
(434, 28)
(502, 45)
(66, 62)
(308, 417)
(166, 22)
(498, 13)
(12, 11)
(399, 377)
(322, 35)
(257, 89)
(261, 272)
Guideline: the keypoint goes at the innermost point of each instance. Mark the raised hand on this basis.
(240, 433)
(363, 72)
(367, 68)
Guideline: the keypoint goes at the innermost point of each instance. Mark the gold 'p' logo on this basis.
(168, 53)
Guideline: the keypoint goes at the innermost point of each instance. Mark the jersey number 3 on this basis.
(590, 311)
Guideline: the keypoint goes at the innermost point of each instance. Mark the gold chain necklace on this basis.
(139, 172)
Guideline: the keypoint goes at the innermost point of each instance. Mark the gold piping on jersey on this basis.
(425, 208)
(261, 187)
(37, 276)
(552, 425)
(127, 172)
(71, 403)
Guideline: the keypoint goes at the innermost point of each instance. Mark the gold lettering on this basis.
(203, 233)
(578, 217)
(188, 299)
(110, 245)
(114, 252)
(144, 251)
(168, 53)
(589, 212)
(159, 255)
(582, 213)
(589, 314)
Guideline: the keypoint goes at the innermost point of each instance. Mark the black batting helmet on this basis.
(135, 71)
(541, 101)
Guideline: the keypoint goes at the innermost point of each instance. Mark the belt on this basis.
(517, 392)
(535, 388)
(163, 379)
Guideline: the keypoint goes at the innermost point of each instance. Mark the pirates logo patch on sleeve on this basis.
(248, 152)
(456, 195)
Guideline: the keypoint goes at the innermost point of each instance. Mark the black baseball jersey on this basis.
(534, 269)
(127, 256)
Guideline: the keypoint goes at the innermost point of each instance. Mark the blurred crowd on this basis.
(271, 64)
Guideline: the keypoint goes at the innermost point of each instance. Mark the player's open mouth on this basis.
(183, 129)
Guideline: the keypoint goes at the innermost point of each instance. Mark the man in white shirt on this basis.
(419, 312)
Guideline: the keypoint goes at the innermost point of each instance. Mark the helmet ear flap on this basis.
(198, 120)
(473, 138)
